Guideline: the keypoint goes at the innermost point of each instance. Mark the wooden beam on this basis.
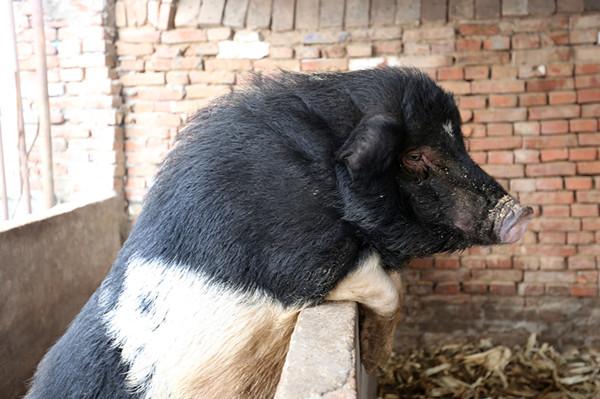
(43, 106)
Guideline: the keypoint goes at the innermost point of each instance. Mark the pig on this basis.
(298, 189)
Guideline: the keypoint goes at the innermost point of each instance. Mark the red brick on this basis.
(476, 72)
(583, 125)
(553, 112)
(587, 81)
(468, 44)
(447, 288)
(496, 43)
(549, 277)
(555, 224)
(502, 101)
(450, 73)
(447, 263)
(582, 154)
(499, 129)
(588, 95)
(227, 65)
(472, 102)
(500, 157)
(184, 35)
(549, 183)
(527, 156)
(557, 290)
(555, 127)
(560, 70)
(420, 288)
(588, 168)
(551, 169)
(588, 196)
(532, 99)
(562, 97)
(522, 185)
(160, 93)
(489, 275)
(466, 115)
(551, 237)
(504, 72)
(421, 263)
(504, 171)
(498, 86)
(589, 139)
(456, 87)
(578, 183)
(472, 29)
(483, 57)
(550, 84)
(500, 115)
(475, 287)
(555, 211)
(590, 110)
(441, 275)
(498, 262)
(473, 262)
(558, 197)
(525, 41)
(143, 79)
(500, 288)
(531, 289)
(494, 143)
(324, 64)
(587, 69)
(580, 237)
(549, 141)
(584, 290)
(526, 262)
(581, 262)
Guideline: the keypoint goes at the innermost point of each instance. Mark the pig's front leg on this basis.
(380, 295)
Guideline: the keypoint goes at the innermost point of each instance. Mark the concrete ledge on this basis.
(49, 266)
(323, 359)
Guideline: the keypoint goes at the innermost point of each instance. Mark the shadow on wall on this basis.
(49, 267)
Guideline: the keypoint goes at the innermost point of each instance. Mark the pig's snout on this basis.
(511, 220)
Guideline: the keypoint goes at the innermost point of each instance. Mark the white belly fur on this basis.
(197, 339)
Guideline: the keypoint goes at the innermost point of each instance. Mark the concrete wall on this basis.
(323, 359)
(49, 266)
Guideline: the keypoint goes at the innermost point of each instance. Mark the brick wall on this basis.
(84, 100)
(526, 74)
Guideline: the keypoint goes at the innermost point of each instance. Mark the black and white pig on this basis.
(298, 189)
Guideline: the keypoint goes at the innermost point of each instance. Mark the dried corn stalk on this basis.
(485, 371)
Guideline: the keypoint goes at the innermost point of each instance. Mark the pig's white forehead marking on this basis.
(448, 128)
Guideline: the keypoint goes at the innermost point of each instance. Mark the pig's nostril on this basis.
(514, 225)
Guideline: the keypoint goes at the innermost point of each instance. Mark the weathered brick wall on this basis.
(526, 74)
(84, 101)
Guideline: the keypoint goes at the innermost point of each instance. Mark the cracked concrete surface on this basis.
(322, 361)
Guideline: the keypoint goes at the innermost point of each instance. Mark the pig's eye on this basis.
(414, 157)
(414, 162)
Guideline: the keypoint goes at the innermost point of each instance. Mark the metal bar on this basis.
(48, 200)
(23, 158)
(3, 194)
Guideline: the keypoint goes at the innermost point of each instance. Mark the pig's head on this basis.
(414, 190)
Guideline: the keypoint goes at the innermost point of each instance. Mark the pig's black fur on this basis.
(281, 188)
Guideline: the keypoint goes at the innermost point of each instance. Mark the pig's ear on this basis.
(369, 150)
